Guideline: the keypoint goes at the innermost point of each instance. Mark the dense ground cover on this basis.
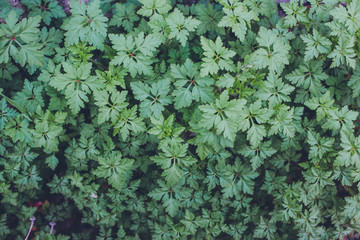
(165, 119)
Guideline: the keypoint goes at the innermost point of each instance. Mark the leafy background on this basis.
(160, 119)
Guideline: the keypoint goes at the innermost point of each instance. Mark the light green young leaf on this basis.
(128, 121)
(250, 120)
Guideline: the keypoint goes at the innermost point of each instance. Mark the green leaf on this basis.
(76, 83)
(350, 154)
(52, 161)
(258, 153)
(250, 120)
(341, 119)
(180, 26)
(274, 90)
(115, 168)
(47, 9)
(222, 116)
(31, 96)
(20, 40)
(129, 122)
(318, 145)
(315, 45)
(124, 16)
(344, 52)
(154, 7)
(110, 105)
(189, 86)
(173, 160)
(165, 130)
(350, 15)
(87, 24)
(265, 229)
(273, 53)
(46, 135)
(209, 17)
(18, 130)
(236, 17)
(6, 113)
(153, 98)
(322, 105)
(283, 122)
(216, 57)
(135, 54)
(309, 75)
(295, 13)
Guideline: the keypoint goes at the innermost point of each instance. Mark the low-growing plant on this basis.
(165, 119)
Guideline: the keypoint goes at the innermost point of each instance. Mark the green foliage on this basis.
(87, 24)
(163, 119)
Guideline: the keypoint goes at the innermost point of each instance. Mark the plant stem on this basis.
(32, 219)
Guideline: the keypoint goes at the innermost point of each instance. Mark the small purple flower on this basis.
(32, 219)
(281, 13)
(52, 224)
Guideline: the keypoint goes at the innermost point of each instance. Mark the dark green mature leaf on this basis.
(124, 16)
(274, 54)
(189, 86)
(87, 24)
(153, 99)
(222, 115)
(216, 58)
(110, 105)
(47, 9)
(237, 17)
(6, 113)
(350, 154)
(315, 45)
(115, 168)
(135, 54)
(173, 160)
(76, 83)
(20, 40)
(180, 26)
(309, 76)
